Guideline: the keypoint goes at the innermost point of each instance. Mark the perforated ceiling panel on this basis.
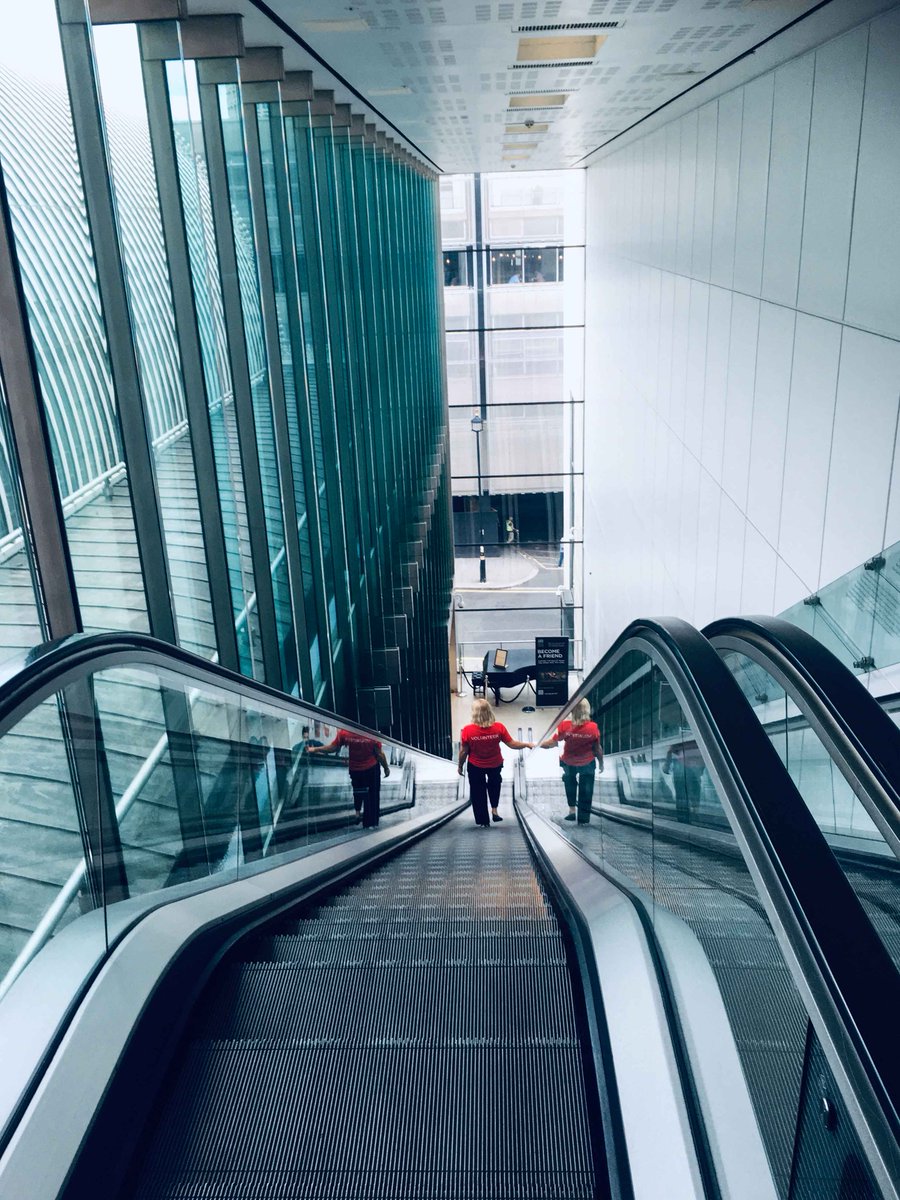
(452, 75)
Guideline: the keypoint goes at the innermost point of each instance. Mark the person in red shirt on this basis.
(366, 762)
(479, 743)
(581, 749)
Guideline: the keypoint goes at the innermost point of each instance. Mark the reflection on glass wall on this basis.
(46, 197)
(276, 277)
(193, 180)
(147, 276)
(513, 268)
(20, 616)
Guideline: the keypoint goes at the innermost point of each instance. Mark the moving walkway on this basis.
(238, 992)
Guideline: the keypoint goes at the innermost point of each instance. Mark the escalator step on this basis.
(412, 1038)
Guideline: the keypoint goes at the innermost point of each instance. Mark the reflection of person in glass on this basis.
(306, 742)
(684, 763)
(366, 762)
(479, 742)
(581, 750)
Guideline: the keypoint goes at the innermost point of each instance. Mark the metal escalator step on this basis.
(372, 1113)
(400, 950)
(412, 1038)
(341, 1006)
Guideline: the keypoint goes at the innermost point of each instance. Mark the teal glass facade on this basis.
(228, 310)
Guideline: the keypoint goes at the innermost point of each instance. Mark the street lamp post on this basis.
(477, 426)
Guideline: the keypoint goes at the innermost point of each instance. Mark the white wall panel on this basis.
(753, 183)
(696, 367)
(669, 258)
(749, 447)
(730, 557)
(687, 178)
(787, 180)
(716, 385)
(789, 589)
(840, 72)
(728, 161)
(680, 342)
(770, 410)
(865, 427)
(739, 397)
(817, 348)
(704, 191)
(687, 534)
(666, 335)
(758, 573)
(873, 289)
(707, 549)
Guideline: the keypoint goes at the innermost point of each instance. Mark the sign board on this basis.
(551, 656)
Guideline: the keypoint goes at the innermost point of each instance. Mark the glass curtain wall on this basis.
(513, 274)
(230, 306)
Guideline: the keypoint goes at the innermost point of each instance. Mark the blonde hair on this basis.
(581, 712)
(482, 713)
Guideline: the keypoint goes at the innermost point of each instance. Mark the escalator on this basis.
(251, 996)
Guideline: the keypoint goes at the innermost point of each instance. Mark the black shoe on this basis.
(586, 821)
(496, 817)
(569, 817)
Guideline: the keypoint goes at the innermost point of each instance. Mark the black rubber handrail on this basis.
(842, 969)
(855, 728)
(30, 677)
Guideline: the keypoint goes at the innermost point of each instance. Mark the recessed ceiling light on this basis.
(522, 146)
(550, 49)
(402, 90)
(338, 25)
(534, 127)
(539, 100)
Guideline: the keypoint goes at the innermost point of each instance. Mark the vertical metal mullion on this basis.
(348, 266)
(40, 489)
(90, 140)
(377, 306)
(318, 313)
(162, 141)
(276, 379)
(323, 149)
(240, 378)
(283, 130)
(368, 381)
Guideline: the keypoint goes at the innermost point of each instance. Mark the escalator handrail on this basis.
(858, 732)
(29, 677)
(848, 981)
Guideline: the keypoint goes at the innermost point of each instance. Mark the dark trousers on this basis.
(484, 785)
(579, 785)
(367, 794)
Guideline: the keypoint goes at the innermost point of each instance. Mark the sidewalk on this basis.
(511, 568)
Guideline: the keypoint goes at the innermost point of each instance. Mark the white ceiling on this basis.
(452, 63)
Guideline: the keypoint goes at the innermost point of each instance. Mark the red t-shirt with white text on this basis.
(483, 742)
(362, 749)
(579, 742)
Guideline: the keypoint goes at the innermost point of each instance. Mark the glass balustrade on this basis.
(136, 782)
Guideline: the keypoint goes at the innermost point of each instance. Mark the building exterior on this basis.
(220, 364)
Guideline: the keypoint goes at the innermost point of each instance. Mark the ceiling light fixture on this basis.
(558, 49)
(538, 100)
(338, 25)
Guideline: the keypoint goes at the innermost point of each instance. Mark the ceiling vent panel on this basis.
(569, 27)
(532, 66)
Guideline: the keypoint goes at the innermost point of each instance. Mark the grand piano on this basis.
(520, 667)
